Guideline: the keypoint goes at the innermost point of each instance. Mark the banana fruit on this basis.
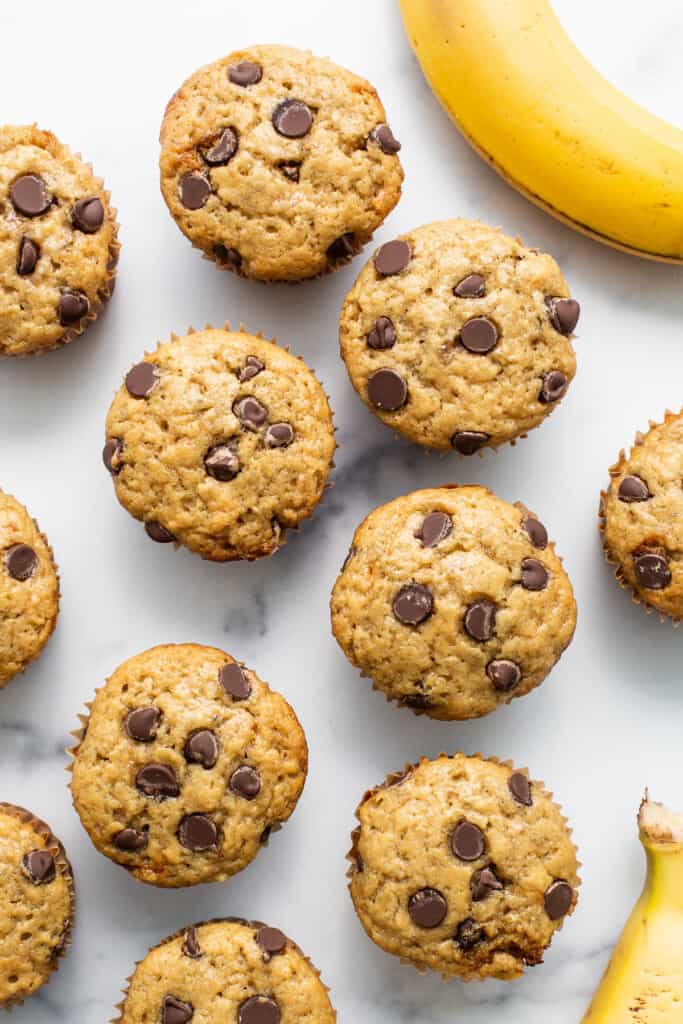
(643, 983)
(528, 101)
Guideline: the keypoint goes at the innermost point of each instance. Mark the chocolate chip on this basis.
(142, 379)
(471, 287)
(392, 257)
(292, 118)
(435, 527)
(129, 840)
(201, 747)
(72, 306)
(290, 169)
(259, 1010)
(563, 313)
(271, 940)
(557, 900)
(268, 832)
(382, 335)
(222, 463)
(468, 934)
(534, 574)
(483, 883)
(227, 257)
(343, 248)
(87, 215)
(383, 136)
(633, 488)
(479, 335)
(250, 412)
(194, 190)
(520, 788)
(158, 533)
(467, 841)
(157, 780)
(504, 674)
(252, 367)
(191, 945)
(197, 832)
(245, 73)
(554, 386)
(278, 435)
(234, 682)
(480, 620)
(416, 701)
(467, 442)
(245, 782)
(427, 908)
(652, 571)
(29, 195)
(40, 866)
(387, 390)
(175, 1011)
(141, 724)
(112, 455)
(21, 561)
(535, 531)
(222, 151)
(413, 604)
(27, 257)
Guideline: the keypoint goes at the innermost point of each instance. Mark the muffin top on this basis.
(458, 336)
(187, 763)
(37, 896)
(29, 589)
(278, 164)
(58, 247)
(642, 517)
(453, 601)
(227, 972)
(220, 441)
(463, 865)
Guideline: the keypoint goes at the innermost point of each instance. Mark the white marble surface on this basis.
(608, 720)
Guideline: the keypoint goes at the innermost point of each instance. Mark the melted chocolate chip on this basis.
(633, 488)
(557, 899)
(271, 940)
(252, 367)
(222, 462)
(158, 533)
(29, 195)
(652, 570)
(278, 435)
(554, 387)
(157, 780)
(21, 561)
(416, 702)
(245, 782)
(141, 724)
(535, 531)
(175, 1011)
(129, 840)
(112, 455)
(383, 136)
(87, 215)
(201, 747)
(392, 257)
(291, 169)
(467, 841)
(197, 832)
(191, 945)
(250, 412)
(435, 527)
(142, 379)
(40, 866)
(413, 604)
(259, 1010)
(504, 674)
(293, 119)
(520, 788)
(227, 257)
(73, 305)
(563, 313)
(534, 574)
(427, 908)
(234, 681)
(471, 287)
(27, 257)
(343, 248)
(245, 73)
(194, 190)
(479, 335)
(223, 150)
(387, 390)
(467, 442)
(383, 334)
(483, 883)
(468, 934)
(480, 620)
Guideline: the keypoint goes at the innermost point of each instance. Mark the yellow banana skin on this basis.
(529, 102)
(643, 983)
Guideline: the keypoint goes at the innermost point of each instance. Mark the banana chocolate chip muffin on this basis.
(453, 601)
(641, 518)
(58, 244)
(29, 589)
(277, 164)
(458, 336)
(463, 865)
(186, 763)
(220, 441)
(37, 898)
(226, 971)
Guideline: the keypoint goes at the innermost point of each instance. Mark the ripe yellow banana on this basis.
(529, 102)
(643, 983)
